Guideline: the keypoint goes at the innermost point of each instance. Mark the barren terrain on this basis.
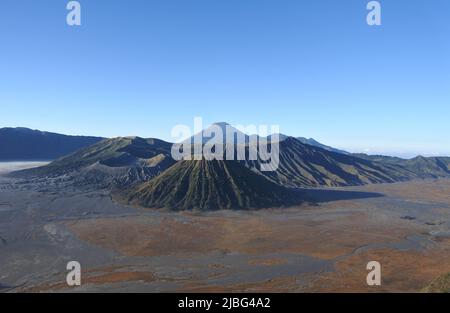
(321, 247)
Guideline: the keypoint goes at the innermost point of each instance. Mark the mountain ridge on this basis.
(24, 144)
(152, 178)
(111, 162)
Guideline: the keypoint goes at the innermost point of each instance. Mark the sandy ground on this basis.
(312, 248)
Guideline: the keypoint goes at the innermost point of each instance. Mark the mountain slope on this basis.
(210, 185)
(305, 165)
(128, 160)
(122, 160)
(315, 143)
(433, 167)
(423, 167)
(219, 133)
(23, 144)
(310, 141)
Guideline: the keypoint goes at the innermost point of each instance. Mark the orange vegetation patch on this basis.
(401, 271)
(119, 277)
(281, 284)
(106, 275)
(249, 234)
(268, 262)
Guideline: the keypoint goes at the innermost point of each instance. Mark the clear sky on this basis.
(139, 67)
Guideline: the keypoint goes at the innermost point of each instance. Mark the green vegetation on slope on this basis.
(210, 185)
(305, 165)
(422, 167)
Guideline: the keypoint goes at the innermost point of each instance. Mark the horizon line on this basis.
(353, 150)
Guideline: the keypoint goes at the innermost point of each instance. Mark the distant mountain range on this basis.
(23, 144)
(423, 167)
(142, 172)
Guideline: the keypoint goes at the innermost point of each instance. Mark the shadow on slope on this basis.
(326, 195)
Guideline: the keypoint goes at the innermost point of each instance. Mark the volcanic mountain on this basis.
(126, 160)
(117, 161)
(210, 185)
(146, 170)
(303, 165)
(219, 133)
(307, 163)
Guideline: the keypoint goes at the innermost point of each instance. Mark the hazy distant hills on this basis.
(210, 185)
(142, 171)
(423, 167)
(23, 144)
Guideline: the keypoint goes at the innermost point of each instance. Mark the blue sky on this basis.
(316, 68)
